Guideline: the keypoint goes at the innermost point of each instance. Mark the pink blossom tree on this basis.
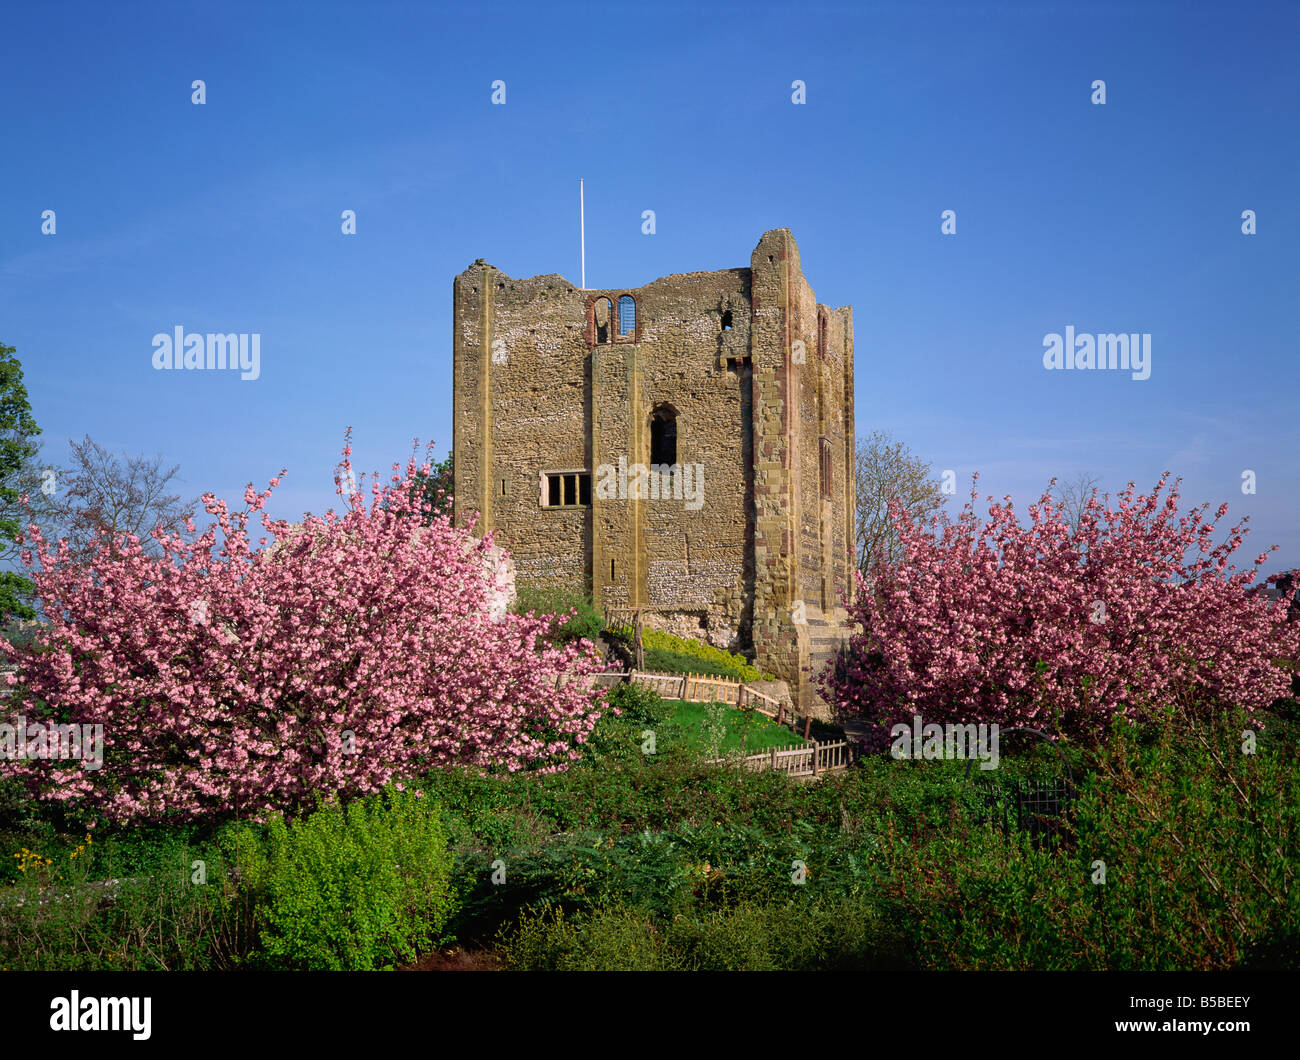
(1058, 627)
(353, 651)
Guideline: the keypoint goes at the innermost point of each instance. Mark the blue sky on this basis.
(1122, 217)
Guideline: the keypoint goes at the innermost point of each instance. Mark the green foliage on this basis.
(620, 736)
(172, 907)
(639, 704)
(753, 936)
(744, 731)
(662, 861)
(17, 429)
(677, 655)
(357, 888)
(1201, 846)
(714, 729)
(436, 489)
(556, 601)
(661, 660)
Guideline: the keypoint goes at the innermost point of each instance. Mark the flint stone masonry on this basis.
(757, 378)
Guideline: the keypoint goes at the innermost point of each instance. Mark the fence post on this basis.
(814, 756)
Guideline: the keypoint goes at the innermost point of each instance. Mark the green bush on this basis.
(661, 660)
(1201, 847)
(679, 655)
(617, 939)
(359, 888)
(558, 602)
(644, 706)
(633, 860)
(169, 907)
(790, 936)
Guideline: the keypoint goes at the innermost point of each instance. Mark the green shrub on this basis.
(1201, 847)
(795, 936)
(641, 705)
(617, 939)
(679, 655)
(357, 888)
(171, 907)
(558, 602)
(661, 660)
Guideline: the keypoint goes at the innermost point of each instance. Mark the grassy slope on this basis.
(747, 728)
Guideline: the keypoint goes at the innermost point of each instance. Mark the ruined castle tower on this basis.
(685, 447)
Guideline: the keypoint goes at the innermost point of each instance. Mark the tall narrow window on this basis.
(663, 435)
(603, 319)
(626, 315)
(826, 468)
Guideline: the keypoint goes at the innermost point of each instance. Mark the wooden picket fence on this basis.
(807, 760)
(702, 688)
(795, 760)
(706, 688)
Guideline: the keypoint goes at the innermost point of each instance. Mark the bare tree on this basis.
(887, 469)
(1073, 497)
(102, 491)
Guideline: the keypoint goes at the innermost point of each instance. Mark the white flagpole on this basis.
(582, 228)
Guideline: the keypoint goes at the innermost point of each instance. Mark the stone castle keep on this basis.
(686, 447)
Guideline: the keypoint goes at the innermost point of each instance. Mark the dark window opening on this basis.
(626, 315)
(826, 468)
(503, 487)
(602, 317)
(663, 436)
(726, 320)
(611, 570)
(568, 490)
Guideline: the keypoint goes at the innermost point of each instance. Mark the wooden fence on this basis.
(808, 760)
(704, 688)
(629, 618)
(708, 688)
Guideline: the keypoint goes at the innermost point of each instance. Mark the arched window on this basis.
(626, 315)
(602, 315)
(663, 435)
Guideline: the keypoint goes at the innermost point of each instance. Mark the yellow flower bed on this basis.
(736, 665)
